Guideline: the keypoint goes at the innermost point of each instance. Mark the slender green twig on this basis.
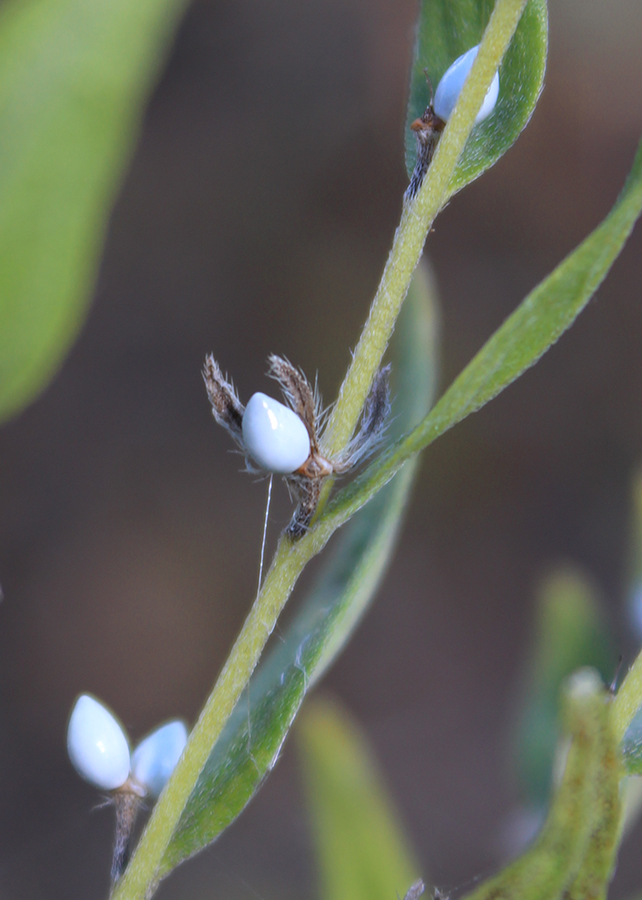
(142, 874)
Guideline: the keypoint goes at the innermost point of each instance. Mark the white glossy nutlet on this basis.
(274, 436)
(97, 745)
(155, 758)
(449, 88)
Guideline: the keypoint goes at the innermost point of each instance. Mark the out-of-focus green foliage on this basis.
(570, 632)
(74, 79)
(361, 850)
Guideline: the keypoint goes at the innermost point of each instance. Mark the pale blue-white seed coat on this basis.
(274, 435)
(97, 744)
(155, 758)
(449, 88)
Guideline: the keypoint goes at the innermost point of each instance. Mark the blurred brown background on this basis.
(256, 218)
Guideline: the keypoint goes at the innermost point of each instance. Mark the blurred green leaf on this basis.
(570, 632)
(251, 742)
(360, 846)
(74, 79)
(447, 28)
(525, 336)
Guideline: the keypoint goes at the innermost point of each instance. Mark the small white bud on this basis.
(97, 745)
(274, 436)
(449, 88)
(585, 682)
(155, 758)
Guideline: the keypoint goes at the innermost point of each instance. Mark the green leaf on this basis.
(525, 336)
(570, 633)
(252, 740)
(446, 29)
(74, 79)
(360, 846)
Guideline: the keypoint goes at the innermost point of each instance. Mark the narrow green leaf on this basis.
(527, 334)
(570, 633)
(447, 28)
(74, 79)
(360, 846)
(556, 857)
(252, 740)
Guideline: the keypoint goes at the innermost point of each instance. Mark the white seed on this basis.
(97, 744)
(449, 88)
(155, 758)
(274, 436)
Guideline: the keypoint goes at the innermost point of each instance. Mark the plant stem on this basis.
(142, 874)
(416, 220)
